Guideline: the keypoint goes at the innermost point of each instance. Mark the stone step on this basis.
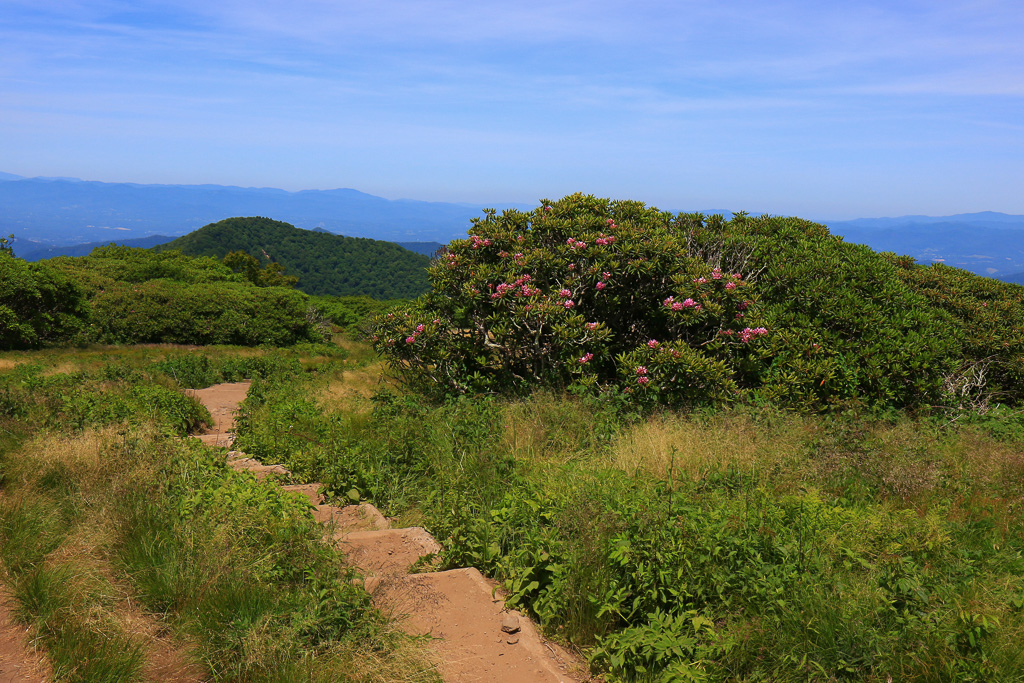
(463, 613)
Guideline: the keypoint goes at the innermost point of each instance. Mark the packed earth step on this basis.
(388, 552)
(459, 608)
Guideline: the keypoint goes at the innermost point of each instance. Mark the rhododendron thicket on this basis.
(595, 295)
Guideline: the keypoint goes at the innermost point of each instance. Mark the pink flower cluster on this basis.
(641, 370)
(642, 381)
(575, 244)
(523, 285)
(601, 285)
(652, 343)
(591, 326)
(480, 241)
(749, 333)
(586, 358)
(569, 303)
(564, 293)
(716, 274)
(605, 239)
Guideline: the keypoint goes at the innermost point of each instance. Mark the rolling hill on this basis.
(325, 264)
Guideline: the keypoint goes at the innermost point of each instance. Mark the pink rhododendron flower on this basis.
(652, 343)
(586, 358)
(564, 293)
(410, 340)
(420, 327)
(730, 285)
(641, 369)
(591, 326)
(668, 301)
(677, 306)
(569, 303)
(642, 381)
(689, 303)
(600, 286)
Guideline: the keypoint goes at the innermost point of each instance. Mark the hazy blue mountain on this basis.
(1016, 278)
(425, 248)
(69, 211)
(986, 243)
(39, 254)
(10, 176)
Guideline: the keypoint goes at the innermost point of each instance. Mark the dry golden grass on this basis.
(350, 390)
(9, 363)
(692, 448)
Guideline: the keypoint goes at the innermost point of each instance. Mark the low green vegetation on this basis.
(103, 509)
(736, 544)
(325, 264)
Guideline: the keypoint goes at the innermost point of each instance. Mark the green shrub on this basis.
(163, 311)
(38, 305)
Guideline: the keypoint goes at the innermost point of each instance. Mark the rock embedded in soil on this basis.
(510, 624)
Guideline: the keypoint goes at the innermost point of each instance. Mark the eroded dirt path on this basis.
(475, 638)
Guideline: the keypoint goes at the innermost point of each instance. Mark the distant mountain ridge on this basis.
(325, 264)
(70, 211)
(985, 243)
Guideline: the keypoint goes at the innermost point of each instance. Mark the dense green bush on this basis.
(38, 306)
(209, 313)
(986, 317)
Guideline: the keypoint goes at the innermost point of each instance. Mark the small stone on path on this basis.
(510, 624)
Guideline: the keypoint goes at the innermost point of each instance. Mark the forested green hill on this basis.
(325, 264)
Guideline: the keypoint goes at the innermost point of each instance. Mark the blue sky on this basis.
(818, 109)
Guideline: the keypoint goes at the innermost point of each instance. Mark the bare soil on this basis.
(19, 663)
(460, 610)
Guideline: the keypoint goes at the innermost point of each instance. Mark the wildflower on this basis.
(652, 343)
(689, 303)
(410, 340)
(641, 369)
(586, 358)
(642, 381)
(606, 275)
(569, 304)
(420, 327)
(677, 306)
(730, 285)
(591, 326)
(564, 293)
(668, 302)
(601, 285)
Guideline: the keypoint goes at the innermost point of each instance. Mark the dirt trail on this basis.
(18, 662)
(474, 636)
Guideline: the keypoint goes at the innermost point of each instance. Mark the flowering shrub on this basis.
(578, 293)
